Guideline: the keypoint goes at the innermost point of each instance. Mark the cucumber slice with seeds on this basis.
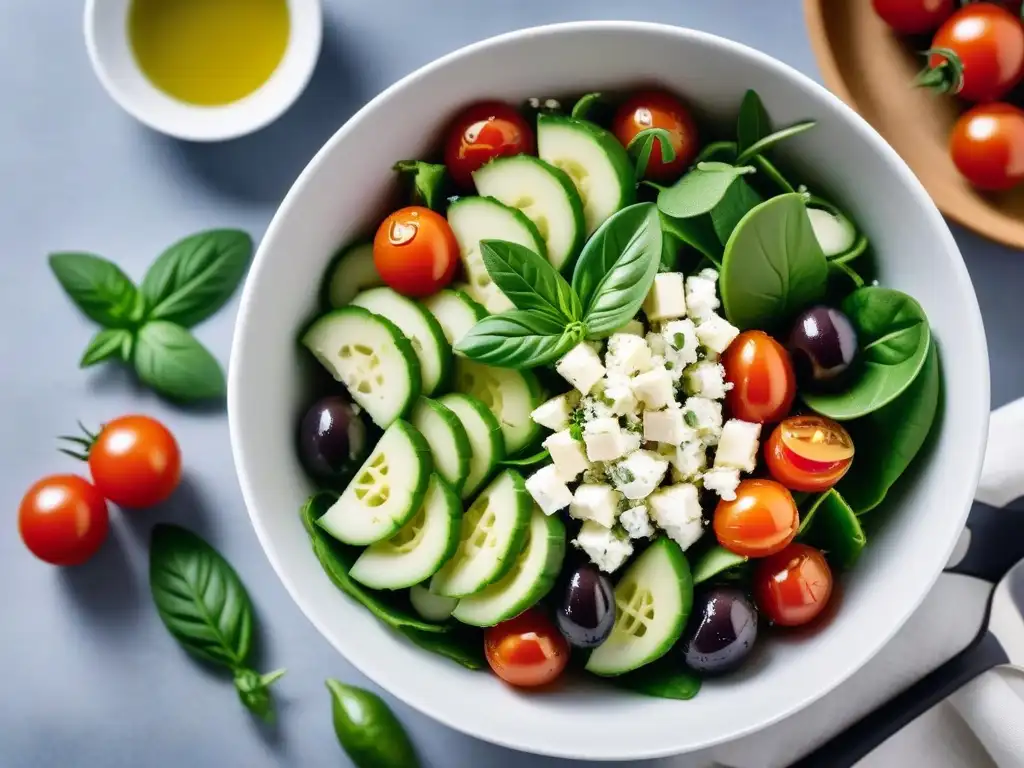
(652, 602)
(509, 394)
(350, 272)
(371, 357)
(455, 312)
(487, 445)
(447, 438)
(419, 548)
(530, 579)
(490, 538)
(386, 492)
(430, 606)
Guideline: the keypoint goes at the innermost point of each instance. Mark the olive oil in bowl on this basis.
(208, 52)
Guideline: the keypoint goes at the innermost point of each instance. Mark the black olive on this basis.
(721, 631)
(587, 612)
(334, 439)
(823, 344)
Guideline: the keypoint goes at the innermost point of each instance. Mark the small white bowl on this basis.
(106, 38)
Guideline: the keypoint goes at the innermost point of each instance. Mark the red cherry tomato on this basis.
(983, 48)
(913, 17)
(526, 651)
(415, 251)
(793, 587)
(63, 520)
(135, 462)
(987, 146)
(657, 109)
(481, 133)
(761, 373)
(808, 453)
(760, 521)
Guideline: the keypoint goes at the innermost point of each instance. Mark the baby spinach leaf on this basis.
(768, 170)
(108, 344)
(519, 339)
(698, 233)
(100, 289)
(718, 151)
(664, 679)
(833, 528)
(893, 335)
(716, 561)
(737, 203)
(641, 146)
(617, 267)
(170, 360)
(700, 190)
(461, 645)
(428, 182)
(753, 123)
(773, 266)
(368, 730)
(762, 145)
(529, 281)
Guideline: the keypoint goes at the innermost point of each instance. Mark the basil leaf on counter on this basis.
(664, 679)
(529, 281)
(753, 123)
(108, 344)
(700, 190)
(170, 360)
(196, 276)
(368, 730)
(99, 288)
(642, 145)
(761, 146)
(519, 339)
(429, 181)
(737, 203)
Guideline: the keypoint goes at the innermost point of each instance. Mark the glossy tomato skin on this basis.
(794, 586)
(657, 109)
(761, 372)
(914, 17)
(63, 520)
(760, 521)
(481, 133)
(415, 251)
(987, 146)
(809, 453)
(135, 462)
(989, 41)
(526, 651)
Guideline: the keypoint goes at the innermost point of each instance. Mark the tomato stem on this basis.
(84, 443)
(945, 77)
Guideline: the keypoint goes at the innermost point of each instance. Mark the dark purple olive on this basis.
(823, 344)
(721, 631)
(333, 439)
(587, 612)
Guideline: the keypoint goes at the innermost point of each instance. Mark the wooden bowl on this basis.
(870, 68)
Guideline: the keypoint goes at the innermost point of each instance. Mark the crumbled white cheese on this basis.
(688, 460)
(676, 509)
(722, 481)
(567, 454)
(706, 418)
(639, 474)
(605, 548)
(604, 439)
(737, 447)
(664, 426)
(596, 407)
(627, 354)
(595, 501)
(701, 295)
(553, 414)
(707, 379)
(656, 342)
(618, 395)
(653, 388)
(581, 367)
(716, 333)
(636, 522)
(548, 489)
(667, 297)
(633, 326)
(680, 338)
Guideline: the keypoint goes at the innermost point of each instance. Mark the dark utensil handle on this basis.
(857, 741)
(997, 542)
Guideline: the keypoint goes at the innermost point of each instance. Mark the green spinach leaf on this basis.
(768, 170)
(519, 339)
(529, 281)
(641, 146)
(753, 123)
(100, 289)
(461, 645)
(664, 679)
(832, 527)
(737, 203)
(718, 151)
(700, 190)
(716, 561)
(170, 360)
(762, 145)
(698, 233)
(368, 730)
(108, 344)
(428, 182)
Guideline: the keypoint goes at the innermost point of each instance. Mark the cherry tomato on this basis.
(987, 146)
(415, 251)
(526, 651)
(63, 520)
(481, 133)
(657, 109)
(761, 373)
(978, 53)
(135, 462)
(793, 587)
(760, 521)
(912, 17)
(808, 453)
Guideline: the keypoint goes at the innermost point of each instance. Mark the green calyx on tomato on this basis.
(947, 77)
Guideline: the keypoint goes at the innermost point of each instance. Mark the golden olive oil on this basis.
(208, 52)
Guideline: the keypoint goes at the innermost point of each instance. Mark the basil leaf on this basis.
(519, 339)
(894, 338)
(664, 679)
(617, 267)
(700, 190)
(196, 276)
(100, 289)
(698, 233)
(773, 266)
(170, 360)
(368, 730)
(429, 181)
(754, 123)
(641, 146)
(106, 345)
(254, 691)
(461, 645)
(527, 461)
(834, 529)
(763, 145)
(529, 281)
(737, 203)
(589, 105)
(714, 562)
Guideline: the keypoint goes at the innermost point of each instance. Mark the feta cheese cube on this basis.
(707, 379)
(654, 388)
(633, 326)
(667, 297)
(595, 501)
(632, 440)
(581, 367)
(656, 342)
(680, 337)
(639, 474)
(688, 460)
(618, 395)
(701, 295)
(705, 416)
(627, 354)
(604, 439)
(737, 447)
(722, 481)
(553, 414)
(595, 408)
(716, 333)
(567, 454)
(605, 548)
(548, 489)
(636, 523)
(676, 510)
(664, 426)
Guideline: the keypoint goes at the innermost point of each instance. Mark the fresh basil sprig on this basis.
(429, 182)
(205, 606)
(529, 281)
(101, 290)
(172, 361)
(520, 339)
(641, 146)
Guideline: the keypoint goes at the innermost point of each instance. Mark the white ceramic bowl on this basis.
(106, 39)
(339, 194)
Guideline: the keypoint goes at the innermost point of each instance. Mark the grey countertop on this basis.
(90, 676)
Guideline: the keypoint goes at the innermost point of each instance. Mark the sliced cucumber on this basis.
(350, 272)
(531, 577)
(487, 445)
(546, 195)
(597, 163)
(386, 492)
(447, 438)
(490, 539)
(652, 601)
(509, 394)
(834, 232)
(430, 606)
(455, 312)
(419, 326)
(371, 357)
(419, 548)
(473, 219)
